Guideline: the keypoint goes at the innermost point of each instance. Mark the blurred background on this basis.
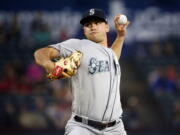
(150, 66)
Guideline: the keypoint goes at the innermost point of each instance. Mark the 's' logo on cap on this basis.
(91, 12)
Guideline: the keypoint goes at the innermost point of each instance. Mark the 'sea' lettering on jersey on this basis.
(96, 66)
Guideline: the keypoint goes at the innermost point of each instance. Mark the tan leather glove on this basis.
(66, 67)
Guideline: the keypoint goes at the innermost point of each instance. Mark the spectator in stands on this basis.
(31, 119)
(59, 113)
(169, 50)
(9, 81)
(14, 33)
(34, 73)
(40, 30)
(160, 82)
(141, 52)
(164, 89)
(133, 120)
(155, 51)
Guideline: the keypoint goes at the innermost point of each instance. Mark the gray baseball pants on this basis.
(77, 128)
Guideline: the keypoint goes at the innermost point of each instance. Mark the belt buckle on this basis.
(107, 125)
(85, 120)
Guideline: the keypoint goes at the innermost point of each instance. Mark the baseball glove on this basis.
(66, 67)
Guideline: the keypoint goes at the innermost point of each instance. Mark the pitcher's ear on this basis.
(107, 27)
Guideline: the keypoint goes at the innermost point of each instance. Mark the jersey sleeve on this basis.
(67, 47)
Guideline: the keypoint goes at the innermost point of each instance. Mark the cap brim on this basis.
(88, 18)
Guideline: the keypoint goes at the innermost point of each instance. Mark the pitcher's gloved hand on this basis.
(66, 67)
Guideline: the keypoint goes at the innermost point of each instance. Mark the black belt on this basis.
(95, 124)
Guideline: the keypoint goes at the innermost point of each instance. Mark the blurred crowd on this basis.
(28, 100)
(160, 64)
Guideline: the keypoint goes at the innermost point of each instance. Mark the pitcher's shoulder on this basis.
(74, 40)
(87, 41)
(80, 41)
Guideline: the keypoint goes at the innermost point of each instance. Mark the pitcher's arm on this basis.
(44, 56)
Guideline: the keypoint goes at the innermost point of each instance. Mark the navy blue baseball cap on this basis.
(93, 14)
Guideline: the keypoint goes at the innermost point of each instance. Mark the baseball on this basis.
(122, 19)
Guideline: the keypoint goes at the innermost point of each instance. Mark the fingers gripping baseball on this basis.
(66, 67)
(121, 24)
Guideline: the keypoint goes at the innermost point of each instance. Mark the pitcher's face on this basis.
(96, 30)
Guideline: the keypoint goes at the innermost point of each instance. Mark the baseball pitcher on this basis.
(94, 74)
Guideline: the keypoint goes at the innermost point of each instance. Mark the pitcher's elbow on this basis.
(36, 56)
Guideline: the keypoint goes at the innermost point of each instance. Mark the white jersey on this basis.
(95, 87)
